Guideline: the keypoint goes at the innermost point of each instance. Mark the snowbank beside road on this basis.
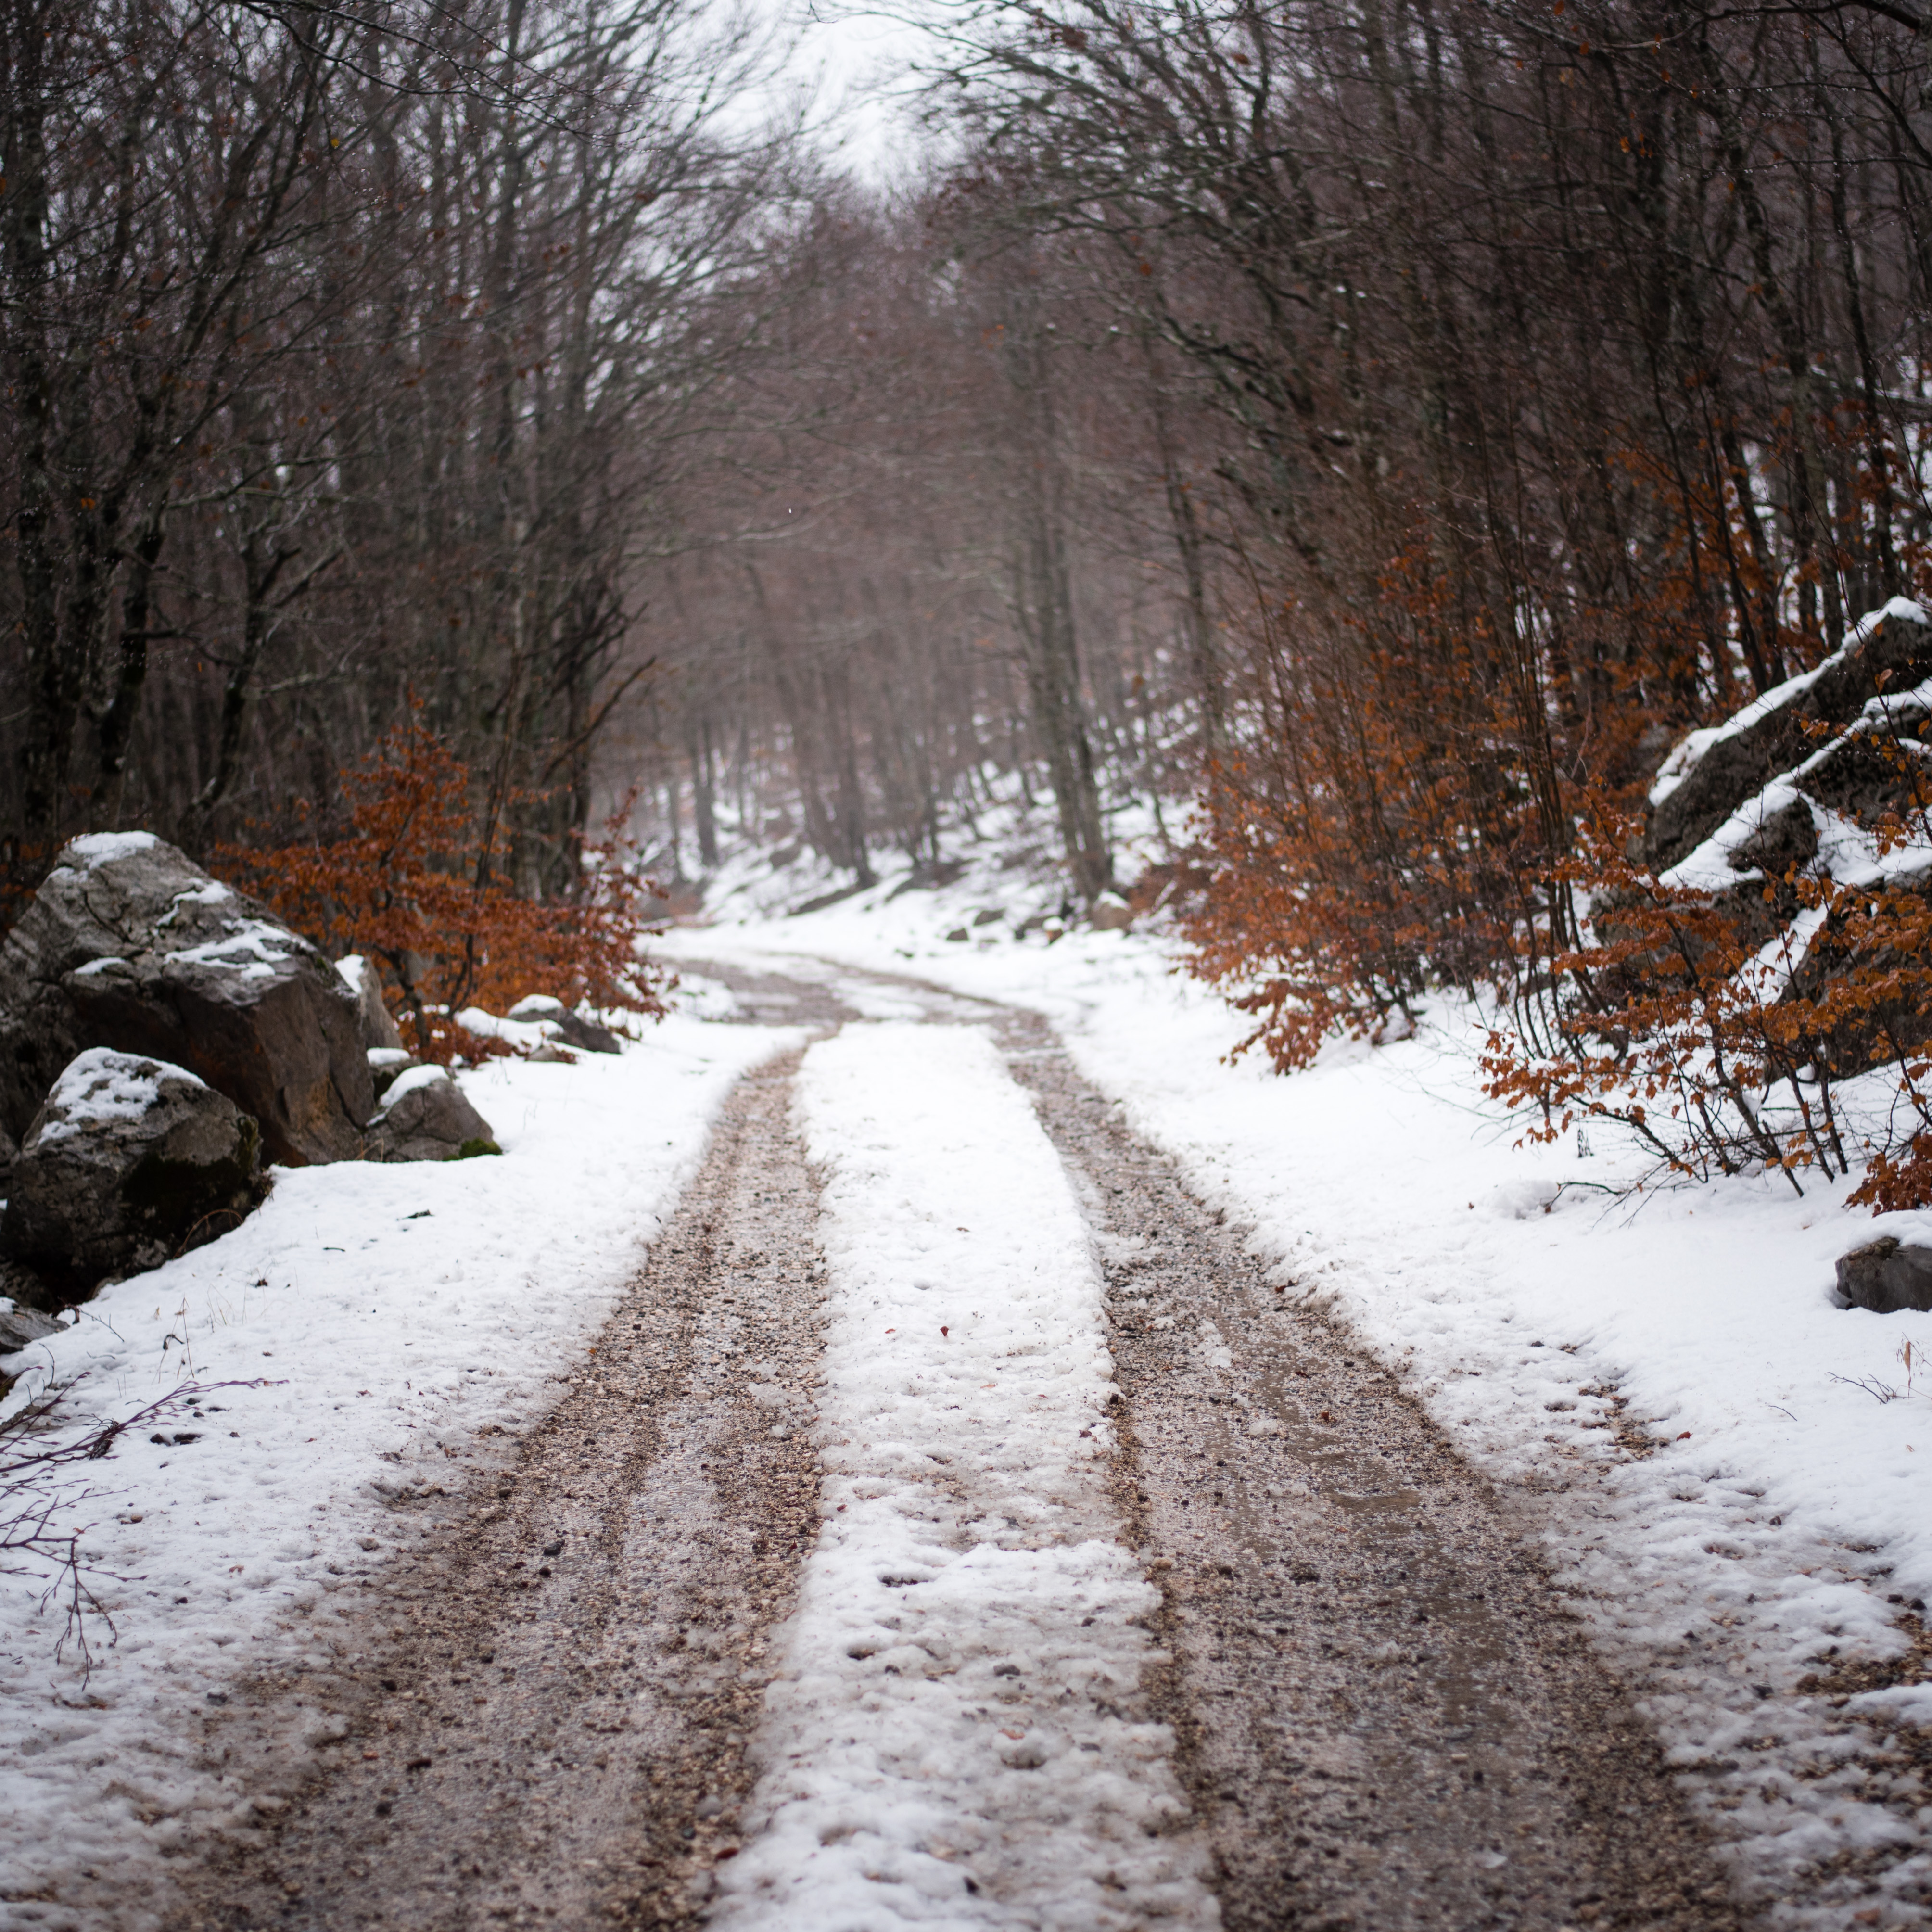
(362, 1335)
(1720, 1485)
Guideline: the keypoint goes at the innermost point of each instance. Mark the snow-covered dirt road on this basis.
(951, 1530)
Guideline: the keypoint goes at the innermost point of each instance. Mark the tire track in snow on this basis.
(959, 1735)
(1385, 1718)
(542, 1709)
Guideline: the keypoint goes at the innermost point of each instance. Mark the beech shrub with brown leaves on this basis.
(411, 884)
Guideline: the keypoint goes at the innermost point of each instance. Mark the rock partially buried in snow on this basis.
(573, 1028)
(425, 1117)
(1886, 1276)
(21, 1328)
(1519, 1200)
(373, 1015)
(1110, 913)
(129, 1161)
(127, 944)
(387, 1064)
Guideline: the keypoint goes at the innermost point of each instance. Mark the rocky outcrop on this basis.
(1843, 809)
(425, 1116)
(572, 1028)
(129, 1161)
(1712, 773)
(129, 945)
(1886, 1275)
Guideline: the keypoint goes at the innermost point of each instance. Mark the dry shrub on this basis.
(1671, 1021)
(1293, 928)
(1442, 786)
(1370, 835)
(411, 885)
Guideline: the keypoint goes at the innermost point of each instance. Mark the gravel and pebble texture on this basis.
(548, 1719)
(1385, 1718)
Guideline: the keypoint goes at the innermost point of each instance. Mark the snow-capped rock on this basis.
(573, 1028)
(129, 944)
(425, 1117)
(129, 1162)
(1713, 773)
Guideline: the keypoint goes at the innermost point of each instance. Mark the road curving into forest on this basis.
(1319, 1679)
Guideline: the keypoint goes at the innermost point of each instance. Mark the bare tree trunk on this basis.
(1043, 603)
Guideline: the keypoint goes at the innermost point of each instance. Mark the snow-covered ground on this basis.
(369, 1331)
(1729, 1471)
(977, 1717)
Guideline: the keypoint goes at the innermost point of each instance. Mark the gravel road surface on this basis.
(1383, 1718)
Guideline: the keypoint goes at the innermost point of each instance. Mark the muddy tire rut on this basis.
(1385, 1720)
(547, 1718)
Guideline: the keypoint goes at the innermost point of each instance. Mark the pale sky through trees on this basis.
(858, 62)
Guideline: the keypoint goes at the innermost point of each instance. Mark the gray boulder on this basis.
(1885, 1275)
(128, 944)
(129, 1162)
(573, 1028)
(20, 1327)
(1110, 913)
(380, 1034)
(425, 1116)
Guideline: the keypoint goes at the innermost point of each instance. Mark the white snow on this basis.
(383, 1318)
(371, 1328)
(536, 1007)
(254, 948)
(524, 1035)
(210, 892)
(353, 970)
(100, 1084)
(97, 848)
(963, 1631)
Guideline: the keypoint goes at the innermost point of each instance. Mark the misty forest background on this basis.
(1373, 434)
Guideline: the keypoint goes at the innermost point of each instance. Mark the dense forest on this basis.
(1378, 431)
